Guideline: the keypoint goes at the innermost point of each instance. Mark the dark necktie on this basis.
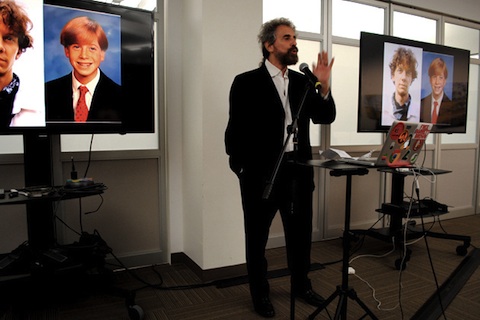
(401, 113)
(81, 111)
(435, 112)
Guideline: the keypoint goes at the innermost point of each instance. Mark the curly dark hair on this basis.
(267, 33)
(405, 57)
(17, 20)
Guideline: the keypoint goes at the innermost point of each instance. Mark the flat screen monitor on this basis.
(107, 49)
(413, 81)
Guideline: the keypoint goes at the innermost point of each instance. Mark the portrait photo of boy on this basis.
(83, 92)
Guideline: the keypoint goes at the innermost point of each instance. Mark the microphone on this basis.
(311, 77)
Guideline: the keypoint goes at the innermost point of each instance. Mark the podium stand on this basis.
(343, 290)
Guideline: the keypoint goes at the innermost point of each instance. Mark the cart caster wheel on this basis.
(399, 265)
(462, 251)
(135, 312)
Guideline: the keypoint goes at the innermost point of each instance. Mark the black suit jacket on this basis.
(254, 136)
(444, 115)
(106, 101)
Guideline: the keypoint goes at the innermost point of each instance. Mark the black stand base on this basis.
(341, 311)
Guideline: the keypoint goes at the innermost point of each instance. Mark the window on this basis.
(305, 14)
(463, 37)
(469, 39)
(345, 90)
(349, 18)
(414, 27)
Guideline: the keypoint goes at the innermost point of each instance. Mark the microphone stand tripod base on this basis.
(344, 291)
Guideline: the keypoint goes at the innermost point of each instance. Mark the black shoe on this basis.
(264, 307)
(311, 297)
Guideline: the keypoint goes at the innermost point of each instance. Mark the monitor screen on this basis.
(414, 81)
(89, 69)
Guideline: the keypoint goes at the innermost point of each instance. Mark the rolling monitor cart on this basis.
(397, 209)
(39, 260)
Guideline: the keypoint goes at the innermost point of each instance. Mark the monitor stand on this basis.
(41, 158)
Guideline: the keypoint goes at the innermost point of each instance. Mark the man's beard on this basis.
(289, 58)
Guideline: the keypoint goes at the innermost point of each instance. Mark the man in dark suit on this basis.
(437, 107)
(86, 94)
(263, 103)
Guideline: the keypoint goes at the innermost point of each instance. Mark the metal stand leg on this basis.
(343, 291)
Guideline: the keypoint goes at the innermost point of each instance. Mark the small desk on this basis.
(40, 223)
(39, 258)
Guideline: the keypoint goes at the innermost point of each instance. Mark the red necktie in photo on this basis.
(81, 111)
(435, 112)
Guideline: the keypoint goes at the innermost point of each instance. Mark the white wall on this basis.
(173, 123)
(219, 41)
(193, 130)
(226, 52)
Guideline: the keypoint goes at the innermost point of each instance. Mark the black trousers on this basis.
(292, 197)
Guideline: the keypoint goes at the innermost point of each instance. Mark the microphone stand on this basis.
(291, 130)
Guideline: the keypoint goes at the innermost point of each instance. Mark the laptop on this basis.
(401, 147)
